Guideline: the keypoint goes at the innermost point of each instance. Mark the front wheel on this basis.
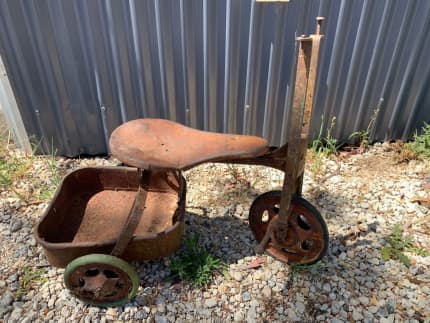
(307, 236)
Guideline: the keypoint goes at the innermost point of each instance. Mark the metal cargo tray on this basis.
(90, 209)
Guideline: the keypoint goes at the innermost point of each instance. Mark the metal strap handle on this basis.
(134, 216)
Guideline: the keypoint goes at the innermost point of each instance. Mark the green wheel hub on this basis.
(101, 280)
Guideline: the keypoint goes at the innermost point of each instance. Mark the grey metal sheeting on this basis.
(81, 68)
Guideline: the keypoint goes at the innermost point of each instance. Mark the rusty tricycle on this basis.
(101, 217)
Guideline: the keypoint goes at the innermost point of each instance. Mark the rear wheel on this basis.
(101, 280)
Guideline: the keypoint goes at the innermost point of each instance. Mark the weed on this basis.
(12, 169)
(48, 188)
(403, 153)
(195, 264)
(420, 146)
(16, 167)
(237, 186)
(323, 147)
(364, 135)
(239, 177)
(328, 145)
(29, 279)
(235, 173)
(398, 244)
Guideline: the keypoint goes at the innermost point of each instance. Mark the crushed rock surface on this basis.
(360, 196)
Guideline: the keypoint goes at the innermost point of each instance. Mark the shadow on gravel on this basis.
(226, 237)
(230, 239)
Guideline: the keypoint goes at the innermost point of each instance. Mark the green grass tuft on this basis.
(420, 146)
(327, 145)
(29, 279)
(398, 244)
(364, 135)
(195, 264)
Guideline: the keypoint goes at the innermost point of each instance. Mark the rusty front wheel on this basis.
(101, 280)
(307, 236)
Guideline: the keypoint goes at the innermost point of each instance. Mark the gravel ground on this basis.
(361, 196)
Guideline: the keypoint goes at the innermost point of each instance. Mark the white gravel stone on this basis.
(356, 315)
(373, 309)
(112, 312)
(239, 316)
(327, 287)
(6, 299)
(16, 225)
(211, 302)
(389, 319)
(391, 305)
(292, 316)
(364, 300)
(300, 307)
(237, 276)
(266, 291)
(160, 319)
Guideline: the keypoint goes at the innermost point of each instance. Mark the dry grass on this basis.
(17, 171)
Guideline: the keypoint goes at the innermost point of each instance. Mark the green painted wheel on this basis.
(101, 280)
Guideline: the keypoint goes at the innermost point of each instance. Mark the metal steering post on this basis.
(298, 134)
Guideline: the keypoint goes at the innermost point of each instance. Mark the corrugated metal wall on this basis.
(81, 68)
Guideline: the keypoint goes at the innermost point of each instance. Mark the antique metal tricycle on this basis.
(99, 215)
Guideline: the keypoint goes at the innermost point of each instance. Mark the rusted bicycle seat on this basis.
(164, 144)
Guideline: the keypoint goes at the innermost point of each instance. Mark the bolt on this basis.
(319, 24)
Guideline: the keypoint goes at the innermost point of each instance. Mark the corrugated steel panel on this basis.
(9, 111)
(81, 68)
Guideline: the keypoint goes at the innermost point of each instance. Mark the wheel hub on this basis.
(99, 283)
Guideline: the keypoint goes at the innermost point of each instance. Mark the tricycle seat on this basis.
(164, 144)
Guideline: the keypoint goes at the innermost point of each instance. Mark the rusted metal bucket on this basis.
(91, 206)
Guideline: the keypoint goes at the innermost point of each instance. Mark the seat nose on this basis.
(163, 144)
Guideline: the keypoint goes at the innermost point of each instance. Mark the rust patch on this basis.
(106, 213)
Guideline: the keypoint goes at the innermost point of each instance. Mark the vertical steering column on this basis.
(300, 119)
(298, 134)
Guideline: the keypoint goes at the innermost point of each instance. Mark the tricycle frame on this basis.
(280, 235)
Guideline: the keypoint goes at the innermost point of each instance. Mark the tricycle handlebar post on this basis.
(299, 126)
(298, 132)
